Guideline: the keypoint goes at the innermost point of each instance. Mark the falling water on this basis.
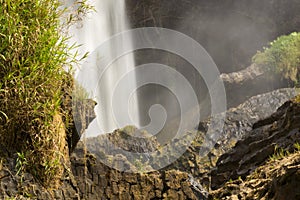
(109, 19)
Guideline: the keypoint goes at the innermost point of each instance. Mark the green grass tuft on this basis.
(282, 56)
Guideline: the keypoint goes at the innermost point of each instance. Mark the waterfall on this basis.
(108, 19)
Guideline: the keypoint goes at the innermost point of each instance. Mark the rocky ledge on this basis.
(97, 181)
(238, 124)
(276, 179)
(251, 134)
(279, 131)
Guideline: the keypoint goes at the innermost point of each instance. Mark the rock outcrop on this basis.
(97, 181)
(238, 121)
(190, 176)
(90, 179)
(277, 179)
(238, 124)
(249, 82)
(78, 110)
(82, 115)
(16, 185)
(128, 138)
(279, 131)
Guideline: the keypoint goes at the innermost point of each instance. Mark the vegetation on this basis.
(33, 55)
(297, 98)
(282, 56)
(280, 153)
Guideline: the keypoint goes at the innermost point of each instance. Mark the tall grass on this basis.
(33, 55)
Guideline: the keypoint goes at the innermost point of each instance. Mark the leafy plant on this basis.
(33, 55)
(282, 56)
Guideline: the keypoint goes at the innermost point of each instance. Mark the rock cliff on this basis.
(276, 179)
(241, 154)
(279, 131)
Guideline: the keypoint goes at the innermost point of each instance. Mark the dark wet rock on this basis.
(280, 130)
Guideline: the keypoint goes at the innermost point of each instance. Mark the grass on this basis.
(33, 55)
(282, 56)
(280, 153)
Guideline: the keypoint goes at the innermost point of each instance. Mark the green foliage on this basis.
(283, 56)
(33, 55)
(279, 154)
(297, 146)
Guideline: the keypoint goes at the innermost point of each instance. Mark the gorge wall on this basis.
(230, 31)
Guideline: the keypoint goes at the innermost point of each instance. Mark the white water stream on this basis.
(109, 19)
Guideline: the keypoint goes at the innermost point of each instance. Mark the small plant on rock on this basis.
(282, 56)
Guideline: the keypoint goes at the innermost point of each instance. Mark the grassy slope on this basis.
(33, 53)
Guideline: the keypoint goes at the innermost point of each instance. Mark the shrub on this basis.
(282, 56)
(33, 55)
